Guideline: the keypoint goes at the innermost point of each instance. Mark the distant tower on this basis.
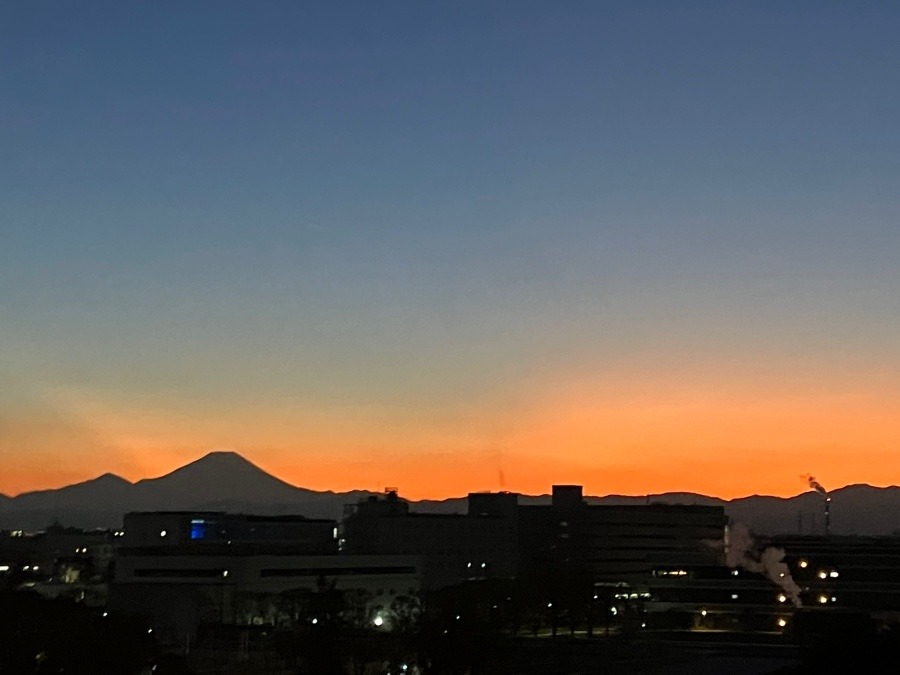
(817, 486)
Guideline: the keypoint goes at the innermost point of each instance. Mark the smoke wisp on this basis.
(814, 484)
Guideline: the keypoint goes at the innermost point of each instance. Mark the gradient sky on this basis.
(452, 246)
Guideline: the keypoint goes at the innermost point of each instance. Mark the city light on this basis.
(382, 620)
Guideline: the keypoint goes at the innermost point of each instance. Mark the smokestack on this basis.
(817, 486)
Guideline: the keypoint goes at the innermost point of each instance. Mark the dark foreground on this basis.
(47, 636)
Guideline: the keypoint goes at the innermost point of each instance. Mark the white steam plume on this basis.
(741, 551)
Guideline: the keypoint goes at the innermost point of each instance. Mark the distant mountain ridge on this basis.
(226, 481)
(218, 481)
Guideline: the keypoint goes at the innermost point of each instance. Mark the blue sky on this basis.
(421, 205)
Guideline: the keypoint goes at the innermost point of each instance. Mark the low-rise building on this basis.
(185, 569)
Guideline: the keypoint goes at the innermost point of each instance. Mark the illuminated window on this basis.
(198, 529)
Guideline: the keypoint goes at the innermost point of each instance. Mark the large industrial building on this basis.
(185, 569)
(616, 543)
(453, 548)
(846, 572)
(499, 538)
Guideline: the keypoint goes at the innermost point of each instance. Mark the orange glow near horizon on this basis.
(497, 250)
(720, 442)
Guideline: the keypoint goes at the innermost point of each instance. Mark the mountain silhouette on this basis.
(107, 488)
(226, 481)
(218, 476)
(218, 481)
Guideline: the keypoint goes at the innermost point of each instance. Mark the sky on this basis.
(452, 246)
